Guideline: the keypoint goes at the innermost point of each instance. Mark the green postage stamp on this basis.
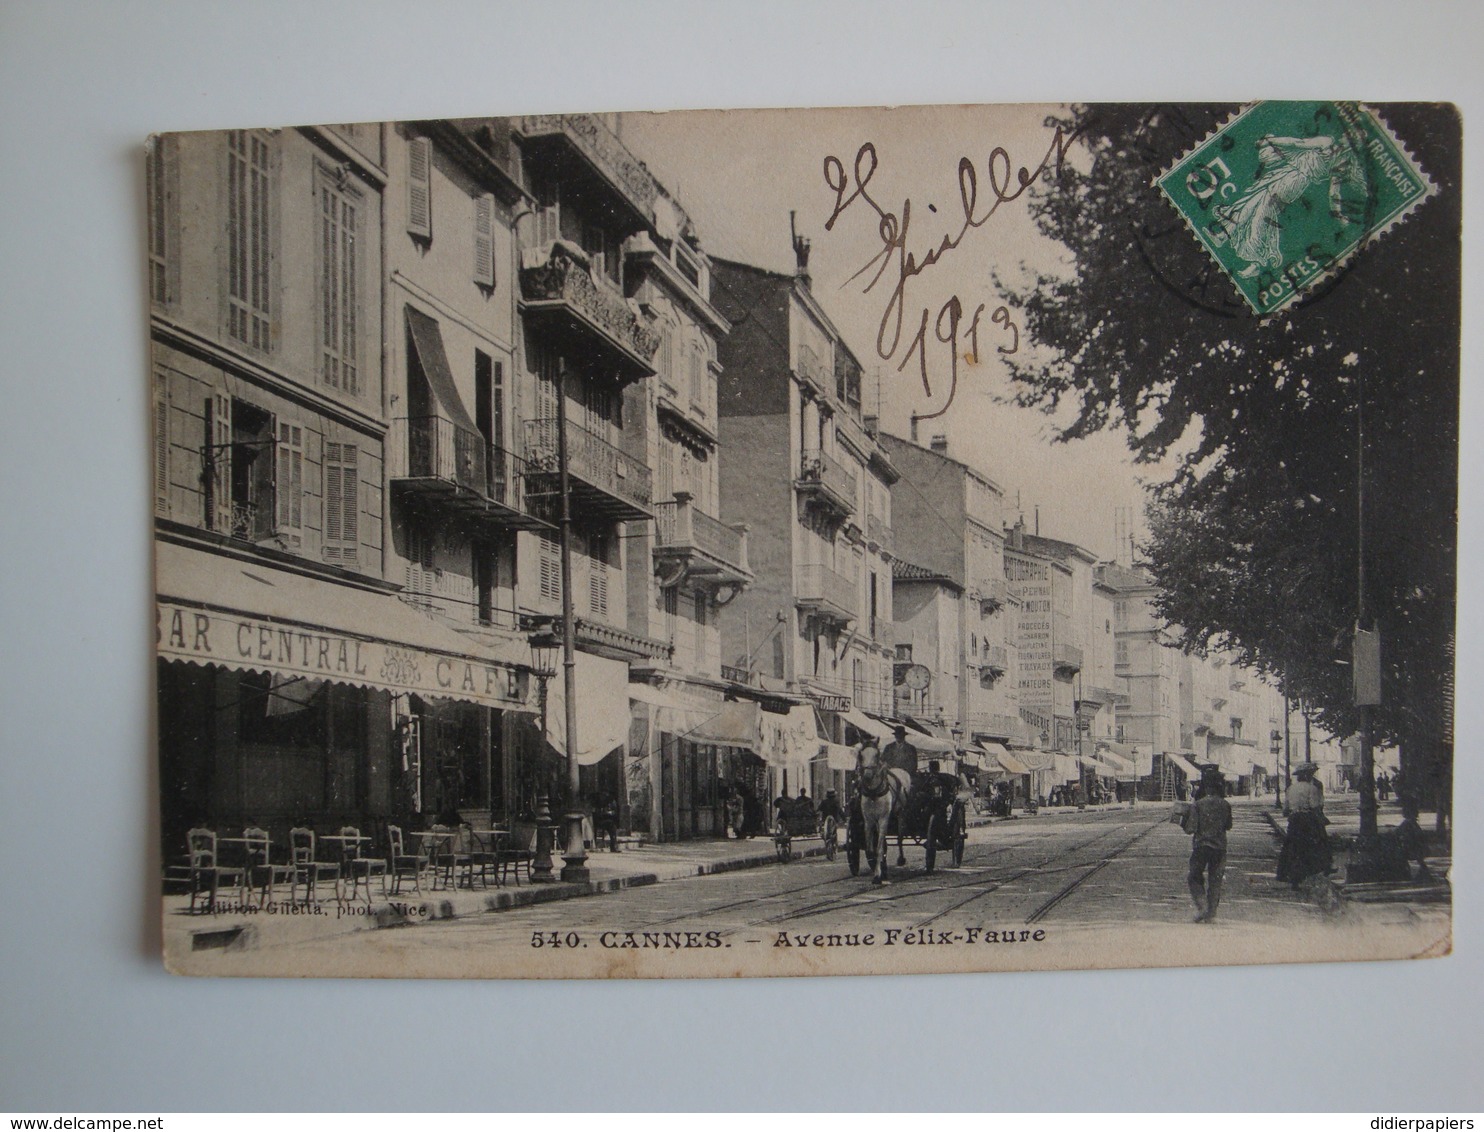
(1285, 193)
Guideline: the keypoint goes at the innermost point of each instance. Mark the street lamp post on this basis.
(575, 854)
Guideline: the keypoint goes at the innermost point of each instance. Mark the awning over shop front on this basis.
(1006, 761)
(734, 725)
(837, 756)
(602, 708)
(1138, 757)
(252, 617)
(931, 744)
(1185, 767)
(863, 723)
(1122, 768)
(788, 740)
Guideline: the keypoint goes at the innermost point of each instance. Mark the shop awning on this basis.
(930, 744)
(602, 694)
(734, 725)
(788, 740)
(1065, 768)
(1036, 761)
(427, 343)
(837, 756)
(863, 723)
(1008, 762)
(1122, 767)
(245, 615)
(1185, 767)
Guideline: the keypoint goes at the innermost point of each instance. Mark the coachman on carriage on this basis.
(926, 807)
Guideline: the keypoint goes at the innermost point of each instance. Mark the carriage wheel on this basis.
(930, 842)
(853, 859)
(960, 834)
(830, 831)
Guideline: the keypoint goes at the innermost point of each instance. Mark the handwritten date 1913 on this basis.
(949, 327)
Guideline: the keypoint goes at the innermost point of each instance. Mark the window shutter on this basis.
(350, 483)
(420, 188)
(332, 496)
(551, 570)
(484, 240)
(342, 503)
(162, 445)
(288, 489)
(598, 586)
(219, 482)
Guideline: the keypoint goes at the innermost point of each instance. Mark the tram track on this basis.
(981, 889)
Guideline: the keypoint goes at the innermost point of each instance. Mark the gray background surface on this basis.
(90, 1020)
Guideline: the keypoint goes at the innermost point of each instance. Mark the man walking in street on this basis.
(899, 753)
(1207, 821)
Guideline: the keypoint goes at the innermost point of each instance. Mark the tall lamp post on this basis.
(575, 854)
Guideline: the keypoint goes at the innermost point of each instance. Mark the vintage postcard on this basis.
(804, 542)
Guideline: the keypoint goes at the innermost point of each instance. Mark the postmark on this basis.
(1286, 193)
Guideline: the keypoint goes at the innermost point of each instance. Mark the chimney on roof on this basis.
(912, 436)
(940, 444)
(1017, 534)
(801, 253)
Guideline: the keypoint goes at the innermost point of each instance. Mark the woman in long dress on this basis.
(1306, 850)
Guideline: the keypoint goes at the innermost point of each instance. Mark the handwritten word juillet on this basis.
(1005, 183)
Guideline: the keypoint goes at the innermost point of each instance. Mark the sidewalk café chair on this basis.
(401, 863)
(306, 868)
(357, 868)
(471, 853)
(440, 855)
(259, 869)
(519, 848)
(201, 847)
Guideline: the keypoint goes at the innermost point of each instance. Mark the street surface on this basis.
(1091, 888)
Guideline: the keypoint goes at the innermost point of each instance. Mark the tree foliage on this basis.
(1253, 541)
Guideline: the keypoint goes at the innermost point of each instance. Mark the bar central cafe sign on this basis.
(248, 644)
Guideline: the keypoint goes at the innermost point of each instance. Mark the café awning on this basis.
(246, 615)
(602, 697)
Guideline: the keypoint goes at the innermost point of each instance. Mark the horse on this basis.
(882, 791)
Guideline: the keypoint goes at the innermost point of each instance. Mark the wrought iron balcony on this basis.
(442, 463)
(605, 483)
(560, 295)
(828, 482)
(582, 144)
(690, 545)
(1066, 659)
(827, 594)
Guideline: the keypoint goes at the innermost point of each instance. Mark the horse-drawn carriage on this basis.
(803, 821)
(928, 808)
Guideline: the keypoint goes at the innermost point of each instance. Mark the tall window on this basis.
(289, 482)
(342, 502)
(249, 238)
(339, 286)
(162, 442)
(163, 233)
